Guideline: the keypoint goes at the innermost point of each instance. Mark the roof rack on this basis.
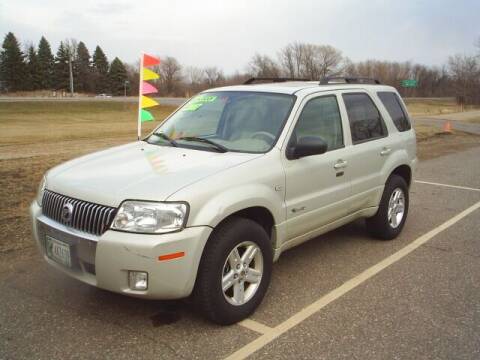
(348, 80)
(273, 80)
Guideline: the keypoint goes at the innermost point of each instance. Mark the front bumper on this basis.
(104, 261)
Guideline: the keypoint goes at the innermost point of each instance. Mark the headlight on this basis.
(40, 191)
(150, 217)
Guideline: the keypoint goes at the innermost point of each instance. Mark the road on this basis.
(342, 295)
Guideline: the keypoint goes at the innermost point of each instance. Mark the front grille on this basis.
(86, 216)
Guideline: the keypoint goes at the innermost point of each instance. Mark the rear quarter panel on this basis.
(403, 143)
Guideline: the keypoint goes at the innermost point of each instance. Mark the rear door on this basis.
(369, 151)
(317, 186)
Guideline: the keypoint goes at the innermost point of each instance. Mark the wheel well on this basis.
(260, 215)
(405, 172)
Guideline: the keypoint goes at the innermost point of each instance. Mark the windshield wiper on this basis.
(166, 137)
(217, 146)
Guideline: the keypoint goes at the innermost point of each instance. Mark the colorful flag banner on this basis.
(149, 60)
(144, 89)
(148, 88)
(147, 102)
(149, 74)
(146, 116)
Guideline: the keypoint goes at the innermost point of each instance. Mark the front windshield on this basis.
(242, 121)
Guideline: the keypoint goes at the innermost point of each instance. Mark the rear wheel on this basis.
(234, 272)
(390, 218)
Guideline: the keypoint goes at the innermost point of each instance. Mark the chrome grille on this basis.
(86, 216)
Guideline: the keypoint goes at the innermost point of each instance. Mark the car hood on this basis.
(138, 171)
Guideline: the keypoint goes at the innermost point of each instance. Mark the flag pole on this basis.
(139, 125)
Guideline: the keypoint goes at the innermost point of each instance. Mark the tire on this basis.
(215, 266)
(379, 226)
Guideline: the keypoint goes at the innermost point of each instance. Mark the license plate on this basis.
(58, 251)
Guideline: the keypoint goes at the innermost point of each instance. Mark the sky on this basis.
(228, 33)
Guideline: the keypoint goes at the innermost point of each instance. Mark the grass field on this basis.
(431, 106)
(35, 136)
(38, 122)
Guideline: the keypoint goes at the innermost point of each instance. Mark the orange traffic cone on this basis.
(447, 127)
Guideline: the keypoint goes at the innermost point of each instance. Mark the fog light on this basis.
(138, 280)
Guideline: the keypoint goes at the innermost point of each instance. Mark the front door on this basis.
(317, 187)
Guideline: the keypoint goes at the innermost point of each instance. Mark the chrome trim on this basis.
(57, 226)
(86, 217)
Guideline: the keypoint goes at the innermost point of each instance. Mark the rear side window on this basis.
(395, 109)
(365, 120)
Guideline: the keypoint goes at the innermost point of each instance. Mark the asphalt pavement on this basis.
(340, 296)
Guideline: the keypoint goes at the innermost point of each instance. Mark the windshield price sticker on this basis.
(198, 101)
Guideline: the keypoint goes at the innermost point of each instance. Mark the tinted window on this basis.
(321, 117)
(394, 108)
(364, 117)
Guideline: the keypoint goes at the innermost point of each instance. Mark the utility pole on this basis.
(71, 74)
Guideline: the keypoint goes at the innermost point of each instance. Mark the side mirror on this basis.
(307, 146)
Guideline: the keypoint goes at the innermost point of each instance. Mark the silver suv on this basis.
(207, 202)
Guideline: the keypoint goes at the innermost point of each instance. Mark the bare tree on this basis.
(263, 66)
(465, 72)
(194, 75)
(214, 76)
(298, 56)
(328, 60)
(460, 77)
(170, 74)
(194, 80)
(236, 78)
(388, 72)
(311, 61)
(286, 57)
(309, 68)
(294, 59)
(348, 67)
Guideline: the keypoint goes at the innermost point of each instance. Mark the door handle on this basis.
(340, 164)
(385, 151)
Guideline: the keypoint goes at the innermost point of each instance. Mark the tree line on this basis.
(36, 68)
(459, 77)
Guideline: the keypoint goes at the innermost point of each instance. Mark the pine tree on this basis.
(62, 71)
(100, 70)
(33, 72)
(46, 64)
(83, 69)
(117, 77)
(12, 65)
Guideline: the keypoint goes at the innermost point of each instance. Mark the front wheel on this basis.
(234, 272)
(390, 218)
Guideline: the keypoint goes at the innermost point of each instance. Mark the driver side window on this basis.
(321, 117)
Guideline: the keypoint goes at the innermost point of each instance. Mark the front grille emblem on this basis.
(67, 212)
(78, 214)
